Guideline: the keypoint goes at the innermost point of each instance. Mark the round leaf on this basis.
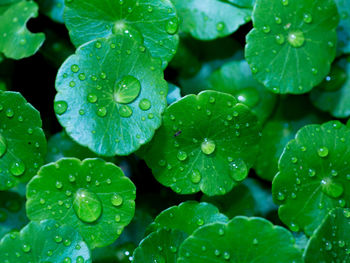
(22, 141)
(236, 78)
(337, 100)
(93, 103)
(156, 21)
(46, 241)
(12, 212)
(313, 175)
(16, 41)
(210, 19)
(207, 142)
(283, 50)
(240, 240)
(92, 196)
(331, 241)
(344, 26)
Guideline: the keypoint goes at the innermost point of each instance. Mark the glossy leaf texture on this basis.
(44, 241)
(330, 242)
(210, 19)
(12, 212)
(236, 78)
(155, 21)
(283, 50)
(22, 141)
(333, 95)
(93, 196)
(190, 153)
(16, 40)
(240, 240)
(313, 175)
(282, 128)
(171, 227)
(344, 26)
(111, 95)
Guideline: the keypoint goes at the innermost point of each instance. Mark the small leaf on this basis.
(283, 50)
(111, 95)
(22, 141)
(210, 19)
(46, 241)
(331, 240)
(12, 212)
(236, 78)
(93, 196)
(344, 26)
(16, 41)
(207, 143)
(171, 227)
(313, 175)
(333, 95)
(156, 21)
(240, 240)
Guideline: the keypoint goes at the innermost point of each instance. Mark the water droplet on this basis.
(125, 111)
(227, 255)
(59, 185)
(278, 20)
(322, 152)
(307, 18)
(208, 146)
(172, 26)
(26, 248)
(280, 196)
(196, 176)
(266, 29)
(279, 39)
(312, 172)
(248, 96)
(74, 68)
(220, 26)
(17, 168)
(331, 188)
(200, 222)
(145, 104)
(10, 113)
(239, 170)
(82, 76)
(285, 2)
(87, 206)
(117, 200)
(3, 145)
(60, 107)
(102, 111)
(98, 44)
(127, 89)
(181, 155)
(296, 38)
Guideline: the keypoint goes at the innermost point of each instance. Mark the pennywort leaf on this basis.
(111, 95)
(92, 196)
(189, 154)
(283, 48)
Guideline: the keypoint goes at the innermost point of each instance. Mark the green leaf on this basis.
(333, 95)
(313, 175)
(283, 50)
(94, 103)
(171, 227)
(12, 212)
(207, 143)
(46, 241)
(156, 21)
(22, 141)
(210, 19)
(235, 78)
(279, 130)
(330, 241)
(53, 9)
(240, 240)
(93, 196)
(16, 41)
(344, 26)
(174, 93)
(242, 3)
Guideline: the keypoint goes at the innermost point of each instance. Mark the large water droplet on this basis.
(117, 200)
(322, 152)
(125, 111)
(3, 145)
(127, 89)
(248, 96)
(196, 176)
(60, 107)
(145, 104)
(307, 18)
(87, 206)
(239, 170)
(102, 111)
(172, 26)
(208, 146)
(331, 188)
(17, 168)
(181, 155)
(296, 38)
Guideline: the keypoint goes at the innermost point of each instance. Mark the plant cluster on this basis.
(181, 131)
